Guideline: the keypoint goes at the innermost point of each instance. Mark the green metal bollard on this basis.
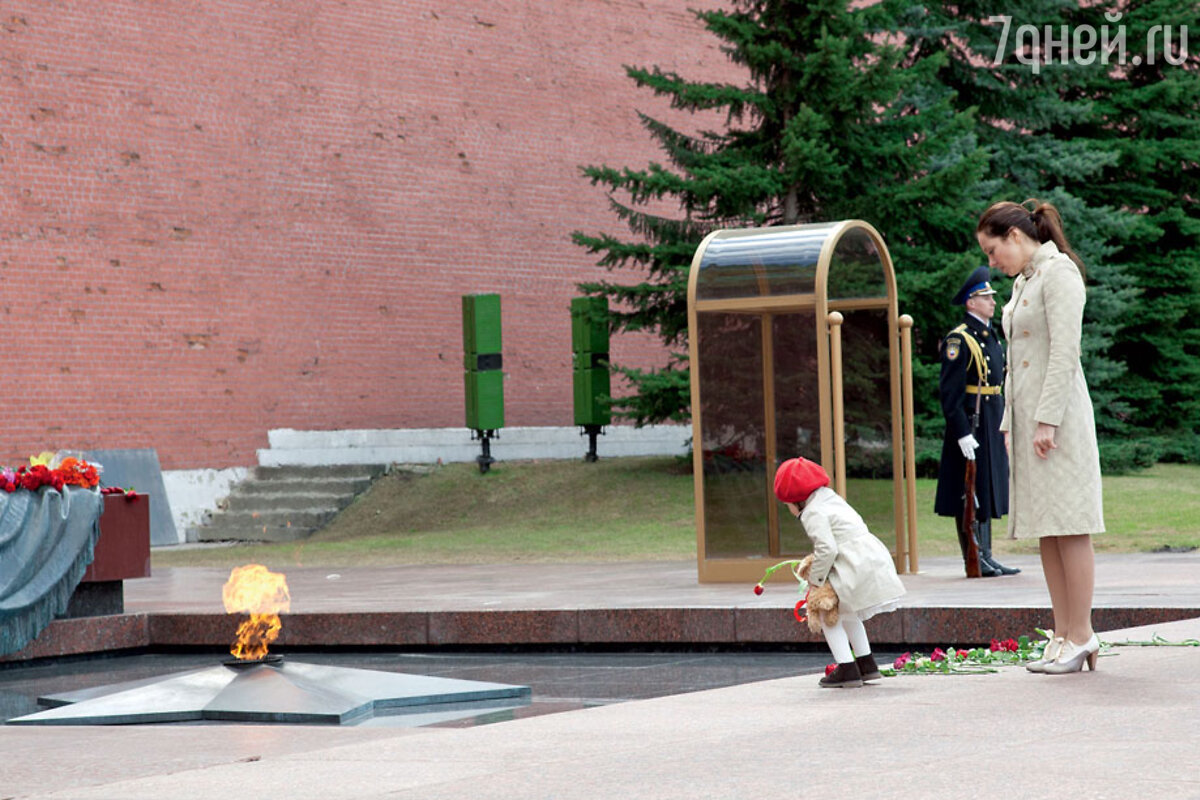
(590, 373)
(483, 373)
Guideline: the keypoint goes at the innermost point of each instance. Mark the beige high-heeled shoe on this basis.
(1072, 657)
(1049, 653)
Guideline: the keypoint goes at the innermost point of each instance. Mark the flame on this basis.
(253, 589)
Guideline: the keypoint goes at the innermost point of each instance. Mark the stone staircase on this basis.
(284, 504)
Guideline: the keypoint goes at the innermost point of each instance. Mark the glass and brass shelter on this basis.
(796, 349)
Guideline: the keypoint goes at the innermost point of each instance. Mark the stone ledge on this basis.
(86, 635)
(635, 627)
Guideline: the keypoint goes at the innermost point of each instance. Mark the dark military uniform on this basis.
(972, 361)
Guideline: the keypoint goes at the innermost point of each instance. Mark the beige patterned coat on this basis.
(1043, 322)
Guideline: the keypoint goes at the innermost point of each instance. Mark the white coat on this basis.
(1043, 322)
(850, 557)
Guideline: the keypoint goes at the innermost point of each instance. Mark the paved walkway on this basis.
(1130, 729)
(1140, 580)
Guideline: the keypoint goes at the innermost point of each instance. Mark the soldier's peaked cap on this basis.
(977, 284)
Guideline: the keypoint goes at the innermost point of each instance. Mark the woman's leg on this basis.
(1079, 569)
(1056, 581)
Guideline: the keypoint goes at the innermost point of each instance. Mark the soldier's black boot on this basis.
(985, 551)
(846, 676)
(986, 569)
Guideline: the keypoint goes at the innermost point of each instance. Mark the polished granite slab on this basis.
(274, 690)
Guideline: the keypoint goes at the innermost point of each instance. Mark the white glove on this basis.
(968, 445)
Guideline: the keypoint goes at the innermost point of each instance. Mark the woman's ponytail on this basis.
(1041, 224)
(1048, 223)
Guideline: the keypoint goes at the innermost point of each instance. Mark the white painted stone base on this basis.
(447, 445)
(193, 493)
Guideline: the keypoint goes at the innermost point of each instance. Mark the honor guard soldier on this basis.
(970, 386)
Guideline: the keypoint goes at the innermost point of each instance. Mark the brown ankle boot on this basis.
(846, 676)
(867, 668)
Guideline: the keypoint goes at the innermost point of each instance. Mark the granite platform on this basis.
(1128, 729)
(609, 605)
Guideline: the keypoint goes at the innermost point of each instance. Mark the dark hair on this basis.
(1042, 224)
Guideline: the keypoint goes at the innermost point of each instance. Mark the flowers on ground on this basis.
(959, 661)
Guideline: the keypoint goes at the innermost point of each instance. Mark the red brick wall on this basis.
(223, 217)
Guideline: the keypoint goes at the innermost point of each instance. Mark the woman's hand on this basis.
(795, 509)
(1043, 440)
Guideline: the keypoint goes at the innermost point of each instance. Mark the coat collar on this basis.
(819, 496)
(975, 323)
(1044, 253)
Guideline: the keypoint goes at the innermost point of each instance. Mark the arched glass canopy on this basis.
(796, 348)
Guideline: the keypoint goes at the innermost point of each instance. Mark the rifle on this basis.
(968, 521)
(968, 516)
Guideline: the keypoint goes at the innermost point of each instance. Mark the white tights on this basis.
(848, 633)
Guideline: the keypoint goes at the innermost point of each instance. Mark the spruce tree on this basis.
(1147, 116)
(831, 122)
(1030, 106)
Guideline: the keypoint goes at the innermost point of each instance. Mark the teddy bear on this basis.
(822, 601)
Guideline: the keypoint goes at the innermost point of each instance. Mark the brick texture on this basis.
(225, 217)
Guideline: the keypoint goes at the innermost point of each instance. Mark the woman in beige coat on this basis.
(1048, 424)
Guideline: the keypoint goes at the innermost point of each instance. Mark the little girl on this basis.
(850, 558)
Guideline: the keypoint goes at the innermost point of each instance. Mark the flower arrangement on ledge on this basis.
(57, 470)
(51, 469)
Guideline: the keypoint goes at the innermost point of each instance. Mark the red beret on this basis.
(797, 478)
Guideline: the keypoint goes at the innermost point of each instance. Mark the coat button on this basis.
(1024, 333)
(1024, 363)
(1024, 302)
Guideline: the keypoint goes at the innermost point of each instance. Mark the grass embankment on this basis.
(630, 509)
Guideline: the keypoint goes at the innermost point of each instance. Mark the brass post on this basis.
(910, 446)
(835, 319)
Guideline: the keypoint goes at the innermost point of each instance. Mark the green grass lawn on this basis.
(634, 509)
